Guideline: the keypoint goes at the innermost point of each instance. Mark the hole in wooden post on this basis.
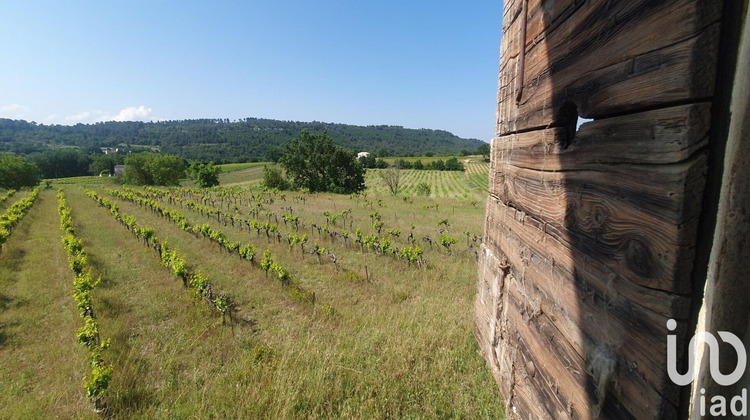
(567, 118)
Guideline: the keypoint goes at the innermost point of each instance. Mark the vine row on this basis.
(245, 251)
(171, 259)
(97, 381)
(7, 195)
(10, 219)
(380, 245)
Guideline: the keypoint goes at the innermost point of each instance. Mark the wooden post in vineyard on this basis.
(597, 234)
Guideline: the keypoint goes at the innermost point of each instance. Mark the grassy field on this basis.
(233, 167)
(383, 339)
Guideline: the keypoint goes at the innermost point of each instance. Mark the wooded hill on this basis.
(221, 140)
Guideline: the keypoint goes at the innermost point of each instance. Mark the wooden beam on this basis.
(586, 60)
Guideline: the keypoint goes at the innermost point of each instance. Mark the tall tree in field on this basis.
(151, 169)
(167, 169)
(392, 178)
(484, 150)
(312, 161)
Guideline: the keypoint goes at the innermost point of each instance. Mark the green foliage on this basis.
(267, 260)
(312, 161)
(447, 241)
(88, 335)
(453, 164)
(222, 303)
(14, 214)
(423, 189)
(97, 382)
(199, 282)
(61, 163)
(205, 175)
(222, 141)
(179, 266)
(273, 154)
(274, 178)
(371, 162)
(153, 169)
(484, 150)
(412, 254)
(247, 252)
(16, 172)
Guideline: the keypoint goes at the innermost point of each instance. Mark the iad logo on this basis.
(738, 404)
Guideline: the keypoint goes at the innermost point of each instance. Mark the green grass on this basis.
(232, 167)
(398, 345)
(79, 180)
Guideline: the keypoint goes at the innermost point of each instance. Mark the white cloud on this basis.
(130, 113)
(14, 111)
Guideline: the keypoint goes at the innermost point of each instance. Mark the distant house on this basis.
(119, 170)
(363, 155)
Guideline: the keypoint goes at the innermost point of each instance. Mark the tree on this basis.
(383, 152)
(136, 170)
(166, 169)
(273, 154)
(62, 163)
(15, 172)
(312, 161)
(484, 150)
(151, 169)
(453, 164)
(392, 178)
(273, 178)
(368, 161)
(205, 175)
(438, 165)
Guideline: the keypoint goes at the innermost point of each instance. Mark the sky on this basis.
(414, 63)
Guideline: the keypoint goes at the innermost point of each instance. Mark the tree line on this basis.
(224, 141)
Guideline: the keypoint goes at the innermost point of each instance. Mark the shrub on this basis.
(274, 178)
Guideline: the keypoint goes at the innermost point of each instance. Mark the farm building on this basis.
(604, 240)
(363, 155)
(119, 170)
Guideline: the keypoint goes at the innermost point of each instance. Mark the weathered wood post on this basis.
(592, 232)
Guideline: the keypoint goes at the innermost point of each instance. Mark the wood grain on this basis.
(588, 63)
(590, 233)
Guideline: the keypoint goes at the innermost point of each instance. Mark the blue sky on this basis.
(420, 64)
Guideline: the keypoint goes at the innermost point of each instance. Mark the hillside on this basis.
(224, 141)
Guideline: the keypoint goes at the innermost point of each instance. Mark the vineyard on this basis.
(243, 303)
(472, 184)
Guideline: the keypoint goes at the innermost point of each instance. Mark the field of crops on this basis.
(239, 303)
(472, 184)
